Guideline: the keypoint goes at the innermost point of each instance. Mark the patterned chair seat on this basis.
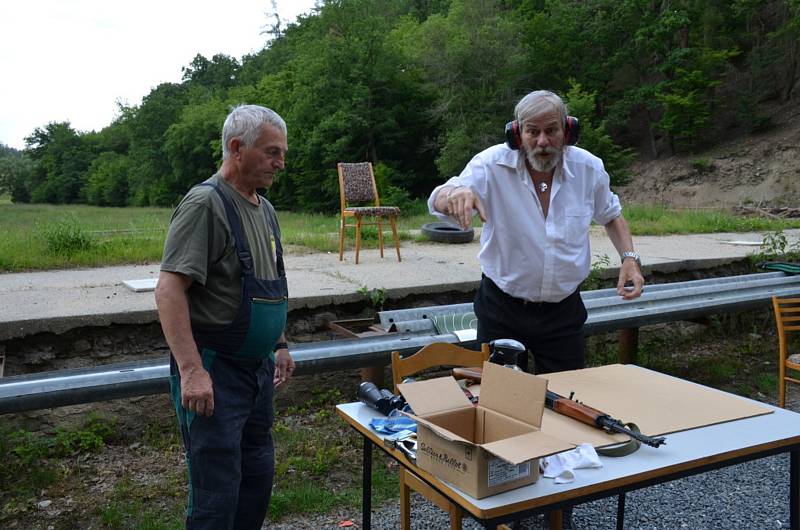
(375, 211)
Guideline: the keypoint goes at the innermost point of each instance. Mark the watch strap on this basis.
(634, 255)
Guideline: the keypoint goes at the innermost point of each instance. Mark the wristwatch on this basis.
(634, 255)
(280, 346)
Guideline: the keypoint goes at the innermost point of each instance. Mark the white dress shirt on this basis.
(526, 255)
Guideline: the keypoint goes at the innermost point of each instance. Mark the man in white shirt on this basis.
(537, 196)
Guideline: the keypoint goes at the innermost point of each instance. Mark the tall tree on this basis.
(63, 158)
(472, 57)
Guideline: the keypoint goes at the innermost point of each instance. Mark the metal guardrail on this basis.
(659, 303)
(142, 378)
(607, 311)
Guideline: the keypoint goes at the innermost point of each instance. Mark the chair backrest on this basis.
(434, 355)
(787, 317)
(357, 183)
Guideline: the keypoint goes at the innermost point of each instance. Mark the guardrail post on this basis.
(628, 345)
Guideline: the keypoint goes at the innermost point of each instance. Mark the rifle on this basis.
(577, 411)
(591, 416)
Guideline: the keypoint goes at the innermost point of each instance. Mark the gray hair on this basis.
(245, 122)
(537, 103)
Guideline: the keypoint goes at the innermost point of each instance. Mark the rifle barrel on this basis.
(615, 425)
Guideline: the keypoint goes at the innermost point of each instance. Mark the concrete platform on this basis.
(57, 301)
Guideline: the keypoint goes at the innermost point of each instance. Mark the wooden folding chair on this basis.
(438, 354)
(357, 185)
(787, 318)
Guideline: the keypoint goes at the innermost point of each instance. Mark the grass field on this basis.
(43, 236)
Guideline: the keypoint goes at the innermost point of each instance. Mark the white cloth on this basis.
(560, 466)
(526, 255)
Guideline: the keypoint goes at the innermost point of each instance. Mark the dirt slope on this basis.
(755, 170)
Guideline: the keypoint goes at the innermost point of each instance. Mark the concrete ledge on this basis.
(58, 301)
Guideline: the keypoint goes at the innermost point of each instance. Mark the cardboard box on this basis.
(484, 449)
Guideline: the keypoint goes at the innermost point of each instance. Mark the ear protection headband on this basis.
(572, 132)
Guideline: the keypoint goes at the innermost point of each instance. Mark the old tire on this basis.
(447, 233)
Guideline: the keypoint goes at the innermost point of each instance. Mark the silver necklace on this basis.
(542, 186)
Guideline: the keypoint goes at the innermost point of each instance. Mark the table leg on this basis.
(621, 511)
(794, 489)
(366, 486)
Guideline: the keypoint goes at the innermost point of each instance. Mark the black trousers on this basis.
(552, 332)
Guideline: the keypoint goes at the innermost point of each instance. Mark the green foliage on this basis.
(66, 237)
(63, 157)
(193, 145)
(775, 245)
(312, 448)
(107, 180)
(660, 220)
(473, 61)
(702, 165)
(15, 176)
(595, 279)
(219, 72)
(375, 296)
(27, 465)
(594, 136)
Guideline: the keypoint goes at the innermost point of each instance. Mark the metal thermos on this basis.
(506, 352)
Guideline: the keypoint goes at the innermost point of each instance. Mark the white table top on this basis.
(683, 450)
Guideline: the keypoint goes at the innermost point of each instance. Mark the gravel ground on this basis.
(751, 496)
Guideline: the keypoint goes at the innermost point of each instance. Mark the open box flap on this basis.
(518, 449)
(434, 395)
(513, 393)
(444, 433)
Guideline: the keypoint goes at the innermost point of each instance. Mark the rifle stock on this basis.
(473, 374)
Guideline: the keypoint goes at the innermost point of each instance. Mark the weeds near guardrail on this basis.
(376, 296)
(595, 280)
(775, 244)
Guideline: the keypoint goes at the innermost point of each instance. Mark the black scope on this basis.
(381, 400)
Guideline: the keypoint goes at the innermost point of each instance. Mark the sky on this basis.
(73, 60)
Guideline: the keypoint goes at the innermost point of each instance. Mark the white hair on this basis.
(537, 103)
(246, 122)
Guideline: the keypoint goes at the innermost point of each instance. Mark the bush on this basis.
(702, 165)
(66, 237)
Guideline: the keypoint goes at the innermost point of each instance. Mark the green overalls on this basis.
(230, 454)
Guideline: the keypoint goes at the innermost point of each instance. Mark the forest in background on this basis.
(417, 87)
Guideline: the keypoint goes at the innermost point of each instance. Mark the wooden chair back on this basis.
(787, 319)
(357, 184)
(435, 355)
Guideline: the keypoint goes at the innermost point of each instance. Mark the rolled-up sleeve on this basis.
(606, 203)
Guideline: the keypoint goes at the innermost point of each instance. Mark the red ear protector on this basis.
(572, 132)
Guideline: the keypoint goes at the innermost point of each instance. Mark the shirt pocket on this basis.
(576, 224)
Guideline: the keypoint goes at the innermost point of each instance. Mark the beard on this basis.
(544, 164)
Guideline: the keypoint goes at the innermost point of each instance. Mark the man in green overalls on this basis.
(222, 301)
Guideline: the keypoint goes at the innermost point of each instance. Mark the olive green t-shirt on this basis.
(200, 244)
